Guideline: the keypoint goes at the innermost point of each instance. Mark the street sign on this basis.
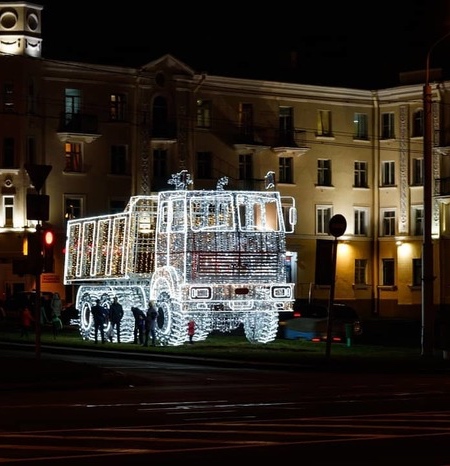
(38, 174)
(337, 225)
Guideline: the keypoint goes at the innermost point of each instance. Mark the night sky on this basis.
(349, 44)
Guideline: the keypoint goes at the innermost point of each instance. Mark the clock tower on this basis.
(20, 29)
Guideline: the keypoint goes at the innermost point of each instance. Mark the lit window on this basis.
(360, 271)
(323, 217)
(203, 113)
(324, 172)
(324, 123)
(387, 126)
(388, 173)
(360, 126)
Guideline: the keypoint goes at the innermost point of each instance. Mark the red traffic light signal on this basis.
(49, 238)
(49, 243)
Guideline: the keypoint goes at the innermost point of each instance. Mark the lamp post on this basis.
(427, 248)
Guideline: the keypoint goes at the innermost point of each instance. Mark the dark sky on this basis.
(351, 44)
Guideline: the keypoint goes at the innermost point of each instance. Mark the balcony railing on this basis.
(270, 137)
(442, 186)
(78, 123)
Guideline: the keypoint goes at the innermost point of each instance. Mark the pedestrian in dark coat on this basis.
(115, 318)
(150, 324)
(99, 314)
(139, 325)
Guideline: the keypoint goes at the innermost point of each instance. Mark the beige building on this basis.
(110, 132)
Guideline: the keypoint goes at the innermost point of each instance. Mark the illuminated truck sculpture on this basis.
(216, 256)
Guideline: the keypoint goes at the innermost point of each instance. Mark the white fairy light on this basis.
(215, 256)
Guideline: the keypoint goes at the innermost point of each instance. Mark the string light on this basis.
(215, 256)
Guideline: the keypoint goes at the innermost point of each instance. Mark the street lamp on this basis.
(427, 249)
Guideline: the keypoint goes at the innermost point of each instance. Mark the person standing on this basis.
(26, 319)
(115, 318)
(56, 305)
(99, 316)
(150, 324)
(139, 325)
(191, 330)
(56, 325)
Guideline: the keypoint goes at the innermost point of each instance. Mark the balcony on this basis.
(259, 138)
(78, 127)
(164, 132)
(442, 187)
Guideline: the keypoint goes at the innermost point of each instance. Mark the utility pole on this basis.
(38, 209)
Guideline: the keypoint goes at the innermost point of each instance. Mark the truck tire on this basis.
(261, 327)
(171, 326)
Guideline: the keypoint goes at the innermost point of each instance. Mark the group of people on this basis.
(145, 323)
(50, 313)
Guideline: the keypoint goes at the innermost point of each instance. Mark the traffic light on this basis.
(48, 240)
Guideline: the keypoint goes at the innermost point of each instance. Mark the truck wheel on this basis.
(171, 327)
(261, 327)
(86, 323)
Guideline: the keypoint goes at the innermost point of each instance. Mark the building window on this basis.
(73, 206)
(203, 113)
(286, 126)
(73, 157)
(72, 99)
(324, 123)
(360, 218)
(160, 164)
(388, 272)
(204, 165)
(417, 272)
(246, 121)
(31, 98)
(360, 271)
(323, 217)
(285, 171)
(324, 172)
(8, 211)
(388, 225)
(360, 175)
(9, 156)
(388, 173)
(8, 98)
(117, 104)
(361, 130)
(119, 160)
(245, 167)
(417, 171)
(387, 126)
(417, 220)
(418, 123)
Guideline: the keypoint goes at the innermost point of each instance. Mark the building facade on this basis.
(110, 132)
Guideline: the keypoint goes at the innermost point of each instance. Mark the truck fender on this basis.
(166, 279)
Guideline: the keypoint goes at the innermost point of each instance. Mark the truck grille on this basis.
(236, 267)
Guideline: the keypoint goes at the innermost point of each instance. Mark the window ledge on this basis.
(325, 186)
(387, 287)
(360, 286)
(415, 287)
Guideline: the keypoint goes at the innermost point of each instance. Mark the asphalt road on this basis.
(148, 410)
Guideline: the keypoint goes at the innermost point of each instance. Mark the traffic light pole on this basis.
(37, 303)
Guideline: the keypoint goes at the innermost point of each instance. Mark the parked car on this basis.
(312, 324)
